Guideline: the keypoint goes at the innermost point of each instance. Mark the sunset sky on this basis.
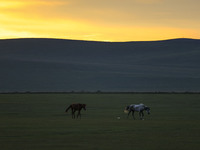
(100, 20)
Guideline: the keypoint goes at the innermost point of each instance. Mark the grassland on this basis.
(38, 122)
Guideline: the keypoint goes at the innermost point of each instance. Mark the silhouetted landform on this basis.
(56, 65)
(101, 92)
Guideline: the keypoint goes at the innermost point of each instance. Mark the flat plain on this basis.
(39, 122)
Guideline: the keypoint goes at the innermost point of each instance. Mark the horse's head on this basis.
(127, 107)
(147, 109)
(126, 110)
(84, 106)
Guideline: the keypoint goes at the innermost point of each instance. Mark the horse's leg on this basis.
(133, 114)
(79, 114)
(72, 113)
(141, 114)
(73, 116)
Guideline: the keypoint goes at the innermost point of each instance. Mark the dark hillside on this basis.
(39, 65)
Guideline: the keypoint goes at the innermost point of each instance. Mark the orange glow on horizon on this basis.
(73, 19)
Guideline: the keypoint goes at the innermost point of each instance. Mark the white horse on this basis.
(138, 108)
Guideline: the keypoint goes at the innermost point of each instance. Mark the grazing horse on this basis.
(76, 107)
(138, 108)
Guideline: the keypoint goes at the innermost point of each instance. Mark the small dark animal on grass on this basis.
(138, 108)
(76, 107)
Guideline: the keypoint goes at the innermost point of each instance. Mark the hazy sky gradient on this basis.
(102, 20)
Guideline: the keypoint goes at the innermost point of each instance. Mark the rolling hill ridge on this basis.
(56, 65)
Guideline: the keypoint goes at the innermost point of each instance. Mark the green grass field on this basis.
(39, 122)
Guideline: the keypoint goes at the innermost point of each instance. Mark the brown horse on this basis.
(76, 107)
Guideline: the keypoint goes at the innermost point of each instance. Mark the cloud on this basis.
(27, 3)
(15, 34)
(11, 4)
(148, 1)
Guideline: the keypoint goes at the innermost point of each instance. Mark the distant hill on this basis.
(55, 65)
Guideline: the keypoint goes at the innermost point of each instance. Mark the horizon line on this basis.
(103, 41)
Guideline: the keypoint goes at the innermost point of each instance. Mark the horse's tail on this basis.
(68, 108)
